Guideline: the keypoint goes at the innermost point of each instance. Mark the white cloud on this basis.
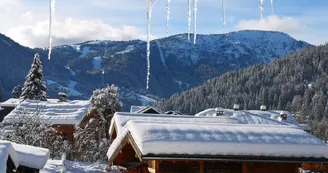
(71, 31)
(273, 23)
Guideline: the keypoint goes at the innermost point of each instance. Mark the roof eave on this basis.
(270, 159)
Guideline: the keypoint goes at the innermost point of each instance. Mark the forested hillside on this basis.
(297, 83)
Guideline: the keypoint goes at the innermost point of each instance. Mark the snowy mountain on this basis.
(176, 64)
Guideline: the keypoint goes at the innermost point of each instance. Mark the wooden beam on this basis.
(201, 167)
(296, 168)
(157, 166)
(245, 170)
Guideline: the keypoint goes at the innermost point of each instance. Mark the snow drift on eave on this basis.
(22, 155)
(222, 140)
(32, 157)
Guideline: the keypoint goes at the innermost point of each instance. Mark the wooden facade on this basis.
(178, 166)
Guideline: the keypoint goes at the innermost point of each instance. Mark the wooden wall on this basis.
(181, 166)
(157, 166)
(270, 167)
(67, 130)
(127, 154)
(222, 167)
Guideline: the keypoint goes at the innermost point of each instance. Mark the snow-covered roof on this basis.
(6, 150)
(22, 155)
(220, 140)
(32, 157)
(120, 119)
(142, 109)
(11, 103)
(254, 116)
(53, 111)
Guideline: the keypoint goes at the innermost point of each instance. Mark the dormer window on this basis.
(218, 112)
(283, 115)
(236, 107)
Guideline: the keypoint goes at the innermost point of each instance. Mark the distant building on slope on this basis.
(21, 158)
(145, 110)
(62, 114)
(244, 142)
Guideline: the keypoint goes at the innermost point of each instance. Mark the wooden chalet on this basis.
(176, 144)
(21, 158)
(64, 115)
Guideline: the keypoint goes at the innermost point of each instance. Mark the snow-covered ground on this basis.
(56, 166)
(128, 49)
(72, 91)
(96, 62)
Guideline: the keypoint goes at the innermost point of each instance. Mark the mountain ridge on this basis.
(177, 64)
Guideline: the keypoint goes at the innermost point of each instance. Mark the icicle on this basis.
(167, 16)
(262, 8)
(150, 4)
(223, 14)
(51, 17)
(195, 21)
(189, 18)
(272, 7)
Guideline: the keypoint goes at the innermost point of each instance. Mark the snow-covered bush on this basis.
(34, 86)
(32, 130)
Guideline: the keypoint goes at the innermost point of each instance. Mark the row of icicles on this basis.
(150, 5)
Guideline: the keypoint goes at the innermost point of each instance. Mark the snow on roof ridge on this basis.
(246, 139)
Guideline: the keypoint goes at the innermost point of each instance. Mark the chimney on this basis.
(263, 108)
(218, 112)
(283, 115)
(236, 107)
(62, 97)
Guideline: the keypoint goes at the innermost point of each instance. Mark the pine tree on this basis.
(105, 102)
(17, 91)
(34, 86)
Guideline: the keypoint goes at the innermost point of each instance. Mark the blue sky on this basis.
(26, 21)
